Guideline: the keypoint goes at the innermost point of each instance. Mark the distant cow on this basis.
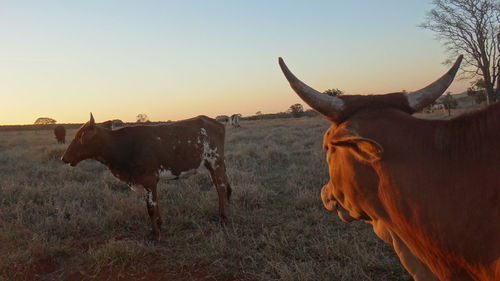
(437, 107)
(60, 133)
(430, 188)
(222, 118)
(107, 124)
(234, 120)
(141, 155)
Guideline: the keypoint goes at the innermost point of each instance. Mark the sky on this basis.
(174, 60)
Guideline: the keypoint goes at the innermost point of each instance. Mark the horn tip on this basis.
(454, 69)
(285, 69)
(281, 62)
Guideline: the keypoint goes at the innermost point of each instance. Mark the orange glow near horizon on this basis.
(179, 60)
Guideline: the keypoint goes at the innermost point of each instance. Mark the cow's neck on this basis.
(116, 152)
(110, 152)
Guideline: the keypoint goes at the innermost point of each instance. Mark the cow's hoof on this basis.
(153, 239)
(220, 220)
(151, 242)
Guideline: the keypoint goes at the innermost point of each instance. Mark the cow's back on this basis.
(173, 148)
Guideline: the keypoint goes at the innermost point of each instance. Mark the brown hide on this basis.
(141, 155)
(429, 187)
(60, 133)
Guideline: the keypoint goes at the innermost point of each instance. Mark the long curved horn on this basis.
(327, 105)
(425, 96)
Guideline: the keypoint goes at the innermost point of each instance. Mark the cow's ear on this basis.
(364, 149)
(91, 121)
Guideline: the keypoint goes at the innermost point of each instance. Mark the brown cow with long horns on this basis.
(141, 155)
(431, 188)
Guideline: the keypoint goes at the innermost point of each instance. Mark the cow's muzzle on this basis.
(329, 201)
(65, 160)
(331, 204)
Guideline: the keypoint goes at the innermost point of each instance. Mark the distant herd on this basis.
(429, 188)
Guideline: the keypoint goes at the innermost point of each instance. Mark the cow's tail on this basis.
(228, 192)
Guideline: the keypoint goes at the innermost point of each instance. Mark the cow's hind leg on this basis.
(219, 179)
(154, 213)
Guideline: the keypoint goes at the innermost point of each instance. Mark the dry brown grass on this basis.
(63, 223)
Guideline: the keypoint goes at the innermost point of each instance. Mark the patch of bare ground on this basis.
(64, 223)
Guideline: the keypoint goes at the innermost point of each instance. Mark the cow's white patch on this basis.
(149, 198)
(166, 174)
(209, 155)
(136, 188)
(188, 141)
(188, 173)
(203, 131)
(158, 138)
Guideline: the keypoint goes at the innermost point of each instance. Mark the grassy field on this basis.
(64, 223)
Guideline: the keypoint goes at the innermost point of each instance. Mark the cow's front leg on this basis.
(154, 213)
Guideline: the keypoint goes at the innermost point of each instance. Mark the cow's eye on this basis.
(332, 146)
(329, 148)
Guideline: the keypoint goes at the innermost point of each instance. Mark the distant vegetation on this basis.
(333, 92)
(477, 91)
(296, 110)
(37, 127)
(44, 121)
(142, 118)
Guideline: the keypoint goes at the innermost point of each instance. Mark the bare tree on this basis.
(471, 28)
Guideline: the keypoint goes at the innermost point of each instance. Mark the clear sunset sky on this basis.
(177, 59)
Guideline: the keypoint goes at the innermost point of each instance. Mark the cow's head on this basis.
(354, 145)
(86, 144)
